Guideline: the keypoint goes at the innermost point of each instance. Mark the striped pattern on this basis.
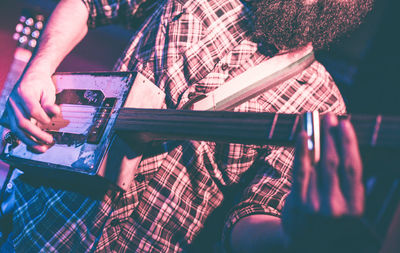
(187, 48)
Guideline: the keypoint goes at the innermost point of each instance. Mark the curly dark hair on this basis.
(288, 24)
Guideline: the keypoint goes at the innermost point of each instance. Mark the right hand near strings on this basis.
(32, 100)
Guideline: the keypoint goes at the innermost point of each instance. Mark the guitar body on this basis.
(85, 145)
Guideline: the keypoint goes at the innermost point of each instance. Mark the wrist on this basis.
(36, 78)
(39, 67)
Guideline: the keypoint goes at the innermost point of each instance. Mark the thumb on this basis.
(52, 110)
(48, 103)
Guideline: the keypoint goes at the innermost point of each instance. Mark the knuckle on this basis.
(331, 162)
(21, 93)
(346, 140)
(351, 170)
(35, 112)
(301, 173)
(23, 124)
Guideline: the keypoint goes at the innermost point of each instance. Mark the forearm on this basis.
(258, 233)
(64, 30)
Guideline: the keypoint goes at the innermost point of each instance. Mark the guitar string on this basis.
(99, 108)
(363, 123)
(96, 111)
(368, 121)
(354, 117)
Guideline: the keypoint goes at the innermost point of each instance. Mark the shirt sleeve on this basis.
(130, 13)
(266, 193)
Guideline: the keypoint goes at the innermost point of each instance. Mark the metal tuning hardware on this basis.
(28, 30)
(11, 139)
(312, 128)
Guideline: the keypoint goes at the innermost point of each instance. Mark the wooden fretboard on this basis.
(251, 128)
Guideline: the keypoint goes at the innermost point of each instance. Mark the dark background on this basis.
(364, 65)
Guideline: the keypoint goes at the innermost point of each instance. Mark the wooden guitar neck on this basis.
(252, 128)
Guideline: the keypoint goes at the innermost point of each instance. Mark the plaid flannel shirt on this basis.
(185, 48)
